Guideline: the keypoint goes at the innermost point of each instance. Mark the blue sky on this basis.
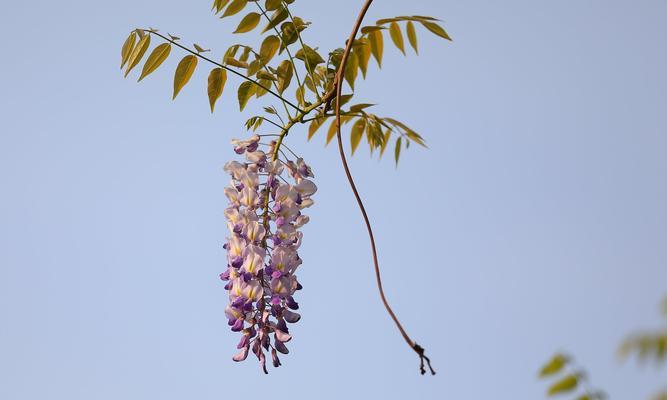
(536, 221)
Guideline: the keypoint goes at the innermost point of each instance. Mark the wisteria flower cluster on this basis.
(264, 217)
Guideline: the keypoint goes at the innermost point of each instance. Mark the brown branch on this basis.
(339, 85)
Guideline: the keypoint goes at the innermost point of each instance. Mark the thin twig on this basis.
(339, 87)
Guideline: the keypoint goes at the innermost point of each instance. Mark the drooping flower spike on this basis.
(261, 278)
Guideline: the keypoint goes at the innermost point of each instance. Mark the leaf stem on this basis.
(224, 67)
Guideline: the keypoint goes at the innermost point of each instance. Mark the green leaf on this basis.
(278, 16)
(184, 70)
(128, 46)
(218, 5)
(332, 128)
(368, 29)
(351, 69)
(435, 28)
(309, 56)
(385, 141)
(553, 366)
(397, 36)
(377, 46)
(412, 36)
(359, 107)
(248, 23)
(200, 49)
(315, 125)
(357, 132)
(262, 74)
(362, 49)
(235, 7)
(246, 90)
(284, 72)
(567, 384)
(301, 95)
(271, 5)
(157, 57)
(216, 84)
(260, 91)
(137, 52)
(397, 150)
(269, 48)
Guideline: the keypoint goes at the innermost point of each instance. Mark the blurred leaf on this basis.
(553, 366)
(155, 59)
(235, 7)
(412, 36)
(385, 141)
(284, 72)
(377, 46)
(435, 28)
(301, 95)
(172, 37)
(567, 384)
(128, 46)
(137, 52)
(332, 128)
(357, 132)
(270, 110)
(235, 63)
(248, 23)
(216, 84)
(246, 91)
(397, 150)
(269, 48)
(397, 36)
(184, 70)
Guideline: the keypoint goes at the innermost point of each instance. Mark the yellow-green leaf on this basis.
(285, 72)
(216, 84)
(218, 5)
(363, 52)
(397, 36)
(248, 23)
(564, 385)
(357, 132)
(246, 90)
(385, 141)
(260, 91)
(263, 74)
(397, 150)
(235, 7)
(554, 365)
(271, 5)
(435, 28)
(412, 36)
(332, 128)
(351, 69)
(315, 125)
(377, 45)
(155, 59)
(278, 16)
(200, 49)
(138, 52)
(269, 48)
(128, 46)
(184, 70)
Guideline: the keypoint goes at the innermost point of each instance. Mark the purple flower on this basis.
(261, 279)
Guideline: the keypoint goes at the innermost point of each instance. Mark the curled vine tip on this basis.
(420, 352)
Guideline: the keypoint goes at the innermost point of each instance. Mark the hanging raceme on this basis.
(301, 79)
